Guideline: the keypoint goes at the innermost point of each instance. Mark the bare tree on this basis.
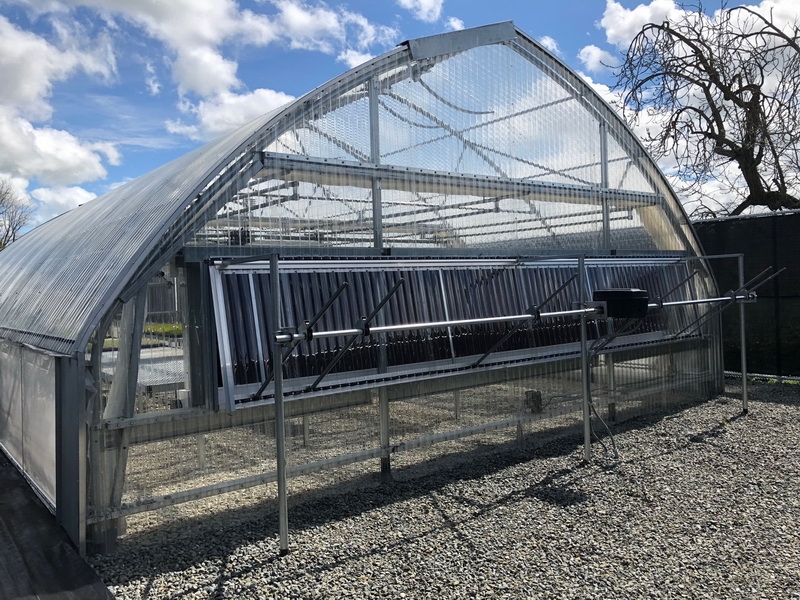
(15, 213)
(725, 87)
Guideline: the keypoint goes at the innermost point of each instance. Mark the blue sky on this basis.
(97, 92)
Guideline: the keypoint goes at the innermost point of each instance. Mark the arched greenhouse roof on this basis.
(477, 140)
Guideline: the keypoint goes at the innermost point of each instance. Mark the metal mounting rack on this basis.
(626, 304)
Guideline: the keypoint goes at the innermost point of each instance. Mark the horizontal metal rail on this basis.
(285, 338)
(250, 481)
(732, 298)
(308, 335)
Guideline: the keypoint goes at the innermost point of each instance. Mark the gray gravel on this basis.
(703, 503)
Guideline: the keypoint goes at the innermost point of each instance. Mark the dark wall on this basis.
(772, 323)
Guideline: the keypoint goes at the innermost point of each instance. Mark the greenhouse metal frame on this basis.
(157, 344)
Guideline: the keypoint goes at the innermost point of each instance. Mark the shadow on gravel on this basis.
(772, 392)
(199, 539)
(555, 492)
(716, 431)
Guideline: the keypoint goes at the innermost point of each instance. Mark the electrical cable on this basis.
(615, 452)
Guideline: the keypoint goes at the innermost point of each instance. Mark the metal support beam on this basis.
(289, 167)
(604, 183)
(585, 366)
(280, 431)
(375, 157)
(70, 432)
(111, 459)
(743, 337)
(383, 394)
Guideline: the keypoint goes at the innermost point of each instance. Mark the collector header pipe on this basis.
(593, 308)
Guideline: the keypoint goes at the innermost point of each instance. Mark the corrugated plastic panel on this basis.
(55, 279)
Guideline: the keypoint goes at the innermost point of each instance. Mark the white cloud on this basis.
(30, 66)
(353, 58)
(51, 155)
(56, 200)
(784, 12)
(152, 83)
(204, 71)
(454, 24)
(323, 29)
(195, 32)
(596, 60)
(424, 10)
(550, 44)
(226, 111)
(360, 30)
(621, 24)
(310, 28)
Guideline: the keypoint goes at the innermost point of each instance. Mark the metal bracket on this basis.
(743, 295)
(363, 326)
(306, 333)
(535, 311)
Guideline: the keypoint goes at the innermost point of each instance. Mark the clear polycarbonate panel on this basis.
(624, 171)
(163, 361)
(456, 133)
(293, 213)
(489, 111)
(28, 415)
(336, 126)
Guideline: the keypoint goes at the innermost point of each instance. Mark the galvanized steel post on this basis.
(585, 374)
(280, 431)
(604, 179)
(743, 337)
(375, 158)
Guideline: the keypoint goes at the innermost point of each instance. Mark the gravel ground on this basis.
(703, 503)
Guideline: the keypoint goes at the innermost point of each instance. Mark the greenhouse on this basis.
(418, 255)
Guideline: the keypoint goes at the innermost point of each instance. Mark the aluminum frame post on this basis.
(604, 184)
(383, 396)
(743, 338)
(280, 425)
(585, 375)
(373, 92)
